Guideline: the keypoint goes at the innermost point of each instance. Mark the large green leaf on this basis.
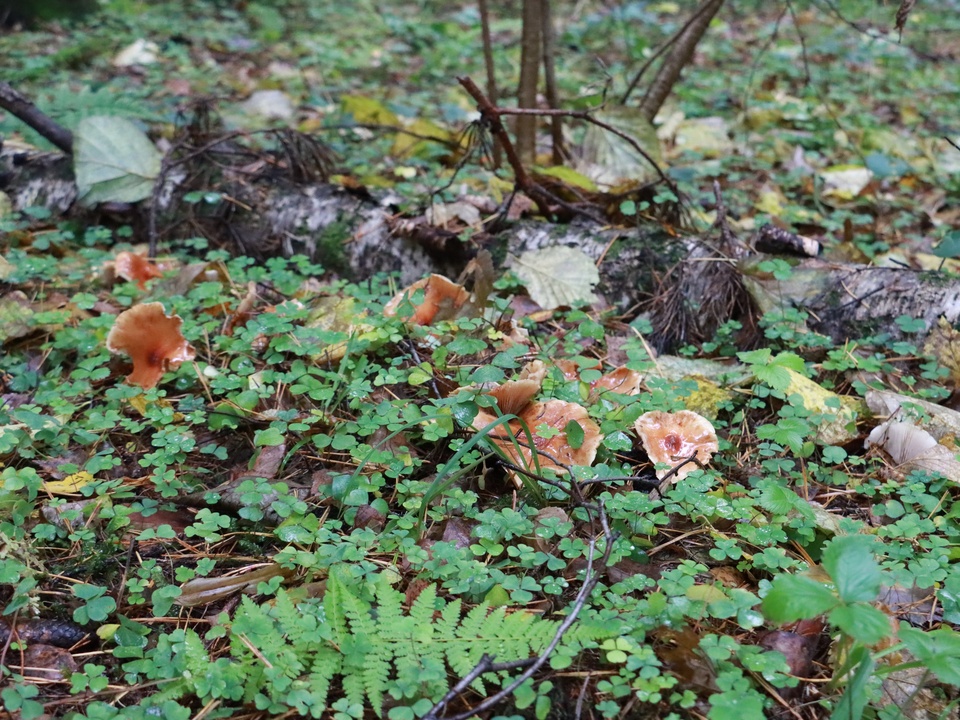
(862, 622)
(114, 161)
(795, 597)
(852, 566)
(938, 650)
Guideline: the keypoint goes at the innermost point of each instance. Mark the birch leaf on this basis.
(557, 276)
(114, 161)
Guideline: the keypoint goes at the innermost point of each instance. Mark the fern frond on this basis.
(358, 615)
(334, 613)
(326, 664)
(302, 651)
(535, 631)
(422, 610)
(390, 617)
(292, 622)
(445, 629)
(470, 627)
(493, 624)
(353, 688)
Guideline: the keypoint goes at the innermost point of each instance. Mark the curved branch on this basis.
(19, 106)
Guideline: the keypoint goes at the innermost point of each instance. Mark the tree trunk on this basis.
(491, 72)
(678, 56)
(550, 82)
(530, 58)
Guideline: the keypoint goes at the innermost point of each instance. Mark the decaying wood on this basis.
(31, 179)
(848, 301)
(356, 235)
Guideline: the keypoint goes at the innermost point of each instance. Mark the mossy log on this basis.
(356, 235)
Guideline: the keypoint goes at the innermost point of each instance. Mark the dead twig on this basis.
(488, 63)
(491, 116)
(671, 41)
(590, 580)
(18, 105)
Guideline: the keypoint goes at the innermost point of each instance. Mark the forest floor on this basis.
(253, 489)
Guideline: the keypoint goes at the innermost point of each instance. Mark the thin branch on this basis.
(497, 154)
(491, 115)
(808, 74)
(677, 59)
(591, 578)
(586, 116)
(727, 238)
(18, 105)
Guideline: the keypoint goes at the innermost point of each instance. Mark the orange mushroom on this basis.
(512, 397)
(555, 451)
(135, 268)
(621, 381)
(442, 298)
(153, 341)
(671, 438)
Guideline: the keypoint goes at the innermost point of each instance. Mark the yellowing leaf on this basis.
(705, 593)
(336, 314)
(569, 176)
(16, 313)
(707, 397)
(709, 136)
(845, 182)
(557, 276)
(106, 632)
(368, 111)
(771, 203)
(70, 485)
(139, 403)
(843, 426)
(415, 141)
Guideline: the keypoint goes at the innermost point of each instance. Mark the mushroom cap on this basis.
(555, 414)
(670, 438)
(153, 341)
(441, 297)
(135, 268)
(513, 396)
(621, 381)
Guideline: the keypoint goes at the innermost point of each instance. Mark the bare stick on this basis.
(18, 105)
(497, 156)
(491, 116)
(660, 51)
(590, 580)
